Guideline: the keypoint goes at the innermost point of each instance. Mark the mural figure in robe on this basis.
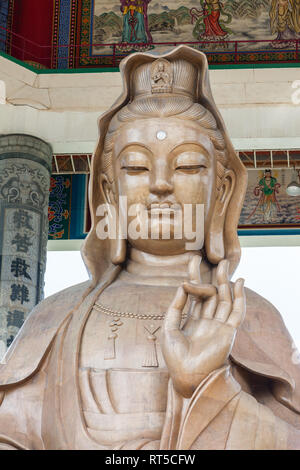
(266, 190)
(135, 24)
(209, 26)
(159, 349)
(285, 21)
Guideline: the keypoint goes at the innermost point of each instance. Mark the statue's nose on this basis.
(161, 178)
(161, 186)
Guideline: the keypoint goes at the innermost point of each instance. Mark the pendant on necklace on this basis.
(110, 349)
(150, 359)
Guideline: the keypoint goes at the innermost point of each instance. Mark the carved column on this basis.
(25, 169)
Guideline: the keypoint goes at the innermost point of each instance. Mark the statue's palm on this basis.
(204, 343)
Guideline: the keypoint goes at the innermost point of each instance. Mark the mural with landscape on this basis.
(141, 24)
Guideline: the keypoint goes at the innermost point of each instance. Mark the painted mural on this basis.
(134, 25)
(91, 33)
(6, 13)
(59, 209)
(285, 19)
(68, 208)
(267, 204)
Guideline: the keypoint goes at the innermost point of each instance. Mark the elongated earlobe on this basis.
(214, 240)
(117, 245)
(214, 244)
(117, 251)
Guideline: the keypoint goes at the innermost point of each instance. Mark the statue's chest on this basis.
(124, 329)
(122, 342)
(114, 341)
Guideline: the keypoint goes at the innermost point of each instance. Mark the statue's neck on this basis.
(145, 268)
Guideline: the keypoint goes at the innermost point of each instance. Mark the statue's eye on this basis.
(135, 168)
(190, 168)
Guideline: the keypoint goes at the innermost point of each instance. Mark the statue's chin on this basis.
(165, 239)
(161, 247)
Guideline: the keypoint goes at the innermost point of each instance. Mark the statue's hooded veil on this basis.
(96, 252)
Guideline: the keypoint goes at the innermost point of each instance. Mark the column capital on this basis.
(27, 147)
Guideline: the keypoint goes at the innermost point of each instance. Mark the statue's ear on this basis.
(107, 190)
(214, 240)
(117, 245)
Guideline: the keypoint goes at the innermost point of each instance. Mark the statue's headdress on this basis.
(163, 82)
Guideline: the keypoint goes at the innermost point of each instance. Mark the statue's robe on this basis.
(252, 403)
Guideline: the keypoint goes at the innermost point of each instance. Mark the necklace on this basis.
(115, 313)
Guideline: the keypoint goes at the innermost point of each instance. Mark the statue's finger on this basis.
(194, 269)
(224, 292)
(194, 311)
(199, 291)
(173, 316)
(209, 307)
(239, 304)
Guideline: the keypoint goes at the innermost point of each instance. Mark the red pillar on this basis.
(32, 28)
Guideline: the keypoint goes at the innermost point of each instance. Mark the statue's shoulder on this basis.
(263, 320)
(263, 342)
(263, 324)
(258, 306)
(50, 312)
(63, 300)
(264, 345)
(40, 328)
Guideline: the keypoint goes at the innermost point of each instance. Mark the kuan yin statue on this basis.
(159, 350)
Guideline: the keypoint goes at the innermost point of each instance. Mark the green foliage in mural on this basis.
(107, 25)
(161, 22)
(246, 8)
(182, 15)
(169, 20)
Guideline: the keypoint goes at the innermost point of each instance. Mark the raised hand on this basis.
(205, 341)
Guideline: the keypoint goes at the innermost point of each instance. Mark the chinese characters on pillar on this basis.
(23, 212)
(20, 265)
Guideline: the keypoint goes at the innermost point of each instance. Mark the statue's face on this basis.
(163, 162)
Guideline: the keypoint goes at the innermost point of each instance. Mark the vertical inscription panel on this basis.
(24, 196)
(20, 269)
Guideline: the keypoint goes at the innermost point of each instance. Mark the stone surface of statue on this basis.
(159, 350)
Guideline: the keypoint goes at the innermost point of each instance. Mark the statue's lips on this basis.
(164, 208)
